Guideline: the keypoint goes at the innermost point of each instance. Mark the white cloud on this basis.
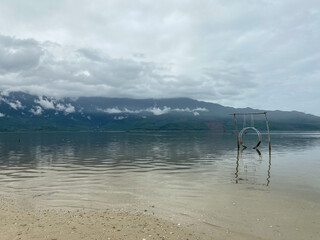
(83, 73)
(120, 117)
(37, 110)
(154, 110)
(68, 108)
(110, 110)
(45, 103)
(60, 107)
(200, 109)
(196, 110)
(2, 115)
(15, 105)
(159, 111)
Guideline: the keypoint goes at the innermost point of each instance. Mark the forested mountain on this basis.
(21, 111)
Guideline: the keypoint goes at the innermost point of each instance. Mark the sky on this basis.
(242, 53)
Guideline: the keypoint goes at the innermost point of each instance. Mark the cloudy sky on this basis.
(257, 53)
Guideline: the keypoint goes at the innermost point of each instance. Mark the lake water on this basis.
(198, 179)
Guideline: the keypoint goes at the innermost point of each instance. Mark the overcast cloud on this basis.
(257, 53)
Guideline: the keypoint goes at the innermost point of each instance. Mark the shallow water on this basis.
(198, 178)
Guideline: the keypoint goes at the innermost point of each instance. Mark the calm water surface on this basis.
(199, 178)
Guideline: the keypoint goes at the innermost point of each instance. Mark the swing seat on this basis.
(243, 131)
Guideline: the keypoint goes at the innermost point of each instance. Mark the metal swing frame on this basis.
(239, 135)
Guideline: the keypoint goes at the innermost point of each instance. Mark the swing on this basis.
(244, 129)
(239, 136)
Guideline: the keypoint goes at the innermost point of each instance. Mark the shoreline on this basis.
(20, 222)
(240, 218)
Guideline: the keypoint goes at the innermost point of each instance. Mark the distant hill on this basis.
(21, 111)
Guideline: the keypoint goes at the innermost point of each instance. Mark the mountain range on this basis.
(21, 111)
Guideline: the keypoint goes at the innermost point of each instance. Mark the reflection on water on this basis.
(71, 164)
(55, 159)
(239, 157)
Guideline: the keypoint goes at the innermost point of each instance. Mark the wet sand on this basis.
(54, 224)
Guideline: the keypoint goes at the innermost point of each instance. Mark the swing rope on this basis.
(252, 121)
(244, 129)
